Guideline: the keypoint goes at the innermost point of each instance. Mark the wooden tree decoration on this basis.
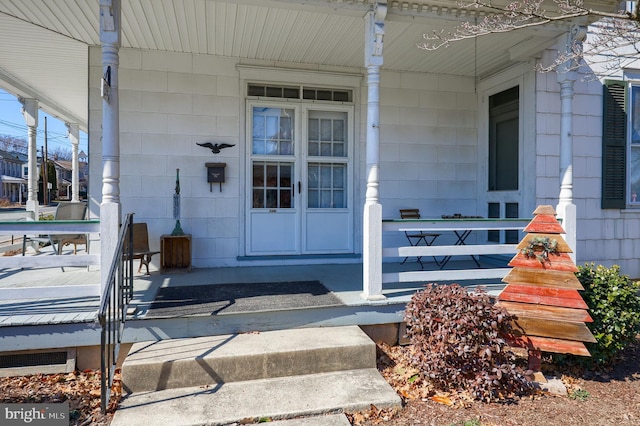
(542, 292)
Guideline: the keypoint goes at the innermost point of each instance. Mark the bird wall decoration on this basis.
(215, 148)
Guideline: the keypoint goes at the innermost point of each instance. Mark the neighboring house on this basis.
(330, 109)
(12, 181)
(64, 170)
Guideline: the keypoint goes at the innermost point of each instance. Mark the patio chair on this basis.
(140, 246)
(417, 238)
(66, 210)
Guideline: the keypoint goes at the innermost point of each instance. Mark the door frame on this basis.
(287, 76)
(523, 76)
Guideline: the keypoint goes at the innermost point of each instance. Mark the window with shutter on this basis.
(614, 146)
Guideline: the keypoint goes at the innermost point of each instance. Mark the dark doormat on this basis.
(241, 297)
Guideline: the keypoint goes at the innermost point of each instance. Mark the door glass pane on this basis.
(504, 120)
(326, 185)
(272, 185)
(493, 212)
(273, 131)
(327, 133)
(511, 211)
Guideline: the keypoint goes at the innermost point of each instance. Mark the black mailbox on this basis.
(215, 173)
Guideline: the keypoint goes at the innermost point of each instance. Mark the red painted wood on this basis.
(556, 262)
(549, 345)
(543, 278)
(547, 312)
(567, 298)
(544, 224)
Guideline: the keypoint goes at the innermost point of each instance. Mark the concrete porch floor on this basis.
(41, 323)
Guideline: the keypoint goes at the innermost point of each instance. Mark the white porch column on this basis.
(30, 113)
(372, 213)
(74, 137)
(566, 75)
(110, 209)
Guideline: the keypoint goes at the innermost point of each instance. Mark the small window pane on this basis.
(325, 130)
(272, 148)
(285, 199)
(325, 199)
(312, 180)
(338, 177)
(314, 129)
(338, 131)
(341, 96)
(511, 211)
(325, 176)
(635, 117)
(313, 199)
(338, 200)
(634, 174)
(493, 212)
(274, 92)
(258, 175)
(258, 198)
(291, 93)
(272, 199)
(255, 90)
(324, 95)
(286, 148)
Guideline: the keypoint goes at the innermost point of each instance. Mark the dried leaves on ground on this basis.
(608, 397)
(80, 388)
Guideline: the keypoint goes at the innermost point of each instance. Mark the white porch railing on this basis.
(50, 260)
(456, 227)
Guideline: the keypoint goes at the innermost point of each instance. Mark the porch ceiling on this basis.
(44, 54)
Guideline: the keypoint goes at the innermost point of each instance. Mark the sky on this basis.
(12, 123)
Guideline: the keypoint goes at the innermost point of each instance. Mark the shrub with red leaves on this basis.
(456, 337)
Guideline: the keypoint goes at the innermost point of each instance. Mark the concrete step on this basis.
(275, 398)
(213, 360)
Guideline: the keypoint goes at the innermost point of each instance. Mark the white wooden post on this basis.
(30, 114)
(566, 76)
(110, 209)
(74, 136)
(372, 213)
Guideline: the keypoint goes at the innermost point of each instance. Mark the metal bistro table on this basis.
(462, 227)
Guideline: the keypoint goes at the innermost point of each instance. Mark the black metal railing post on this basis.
(114, 303)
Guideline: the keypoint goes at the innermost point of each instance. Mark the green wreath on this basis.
(540, 248)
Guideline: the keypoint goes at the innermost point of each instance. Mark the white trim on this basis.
(524, 77)
(288, 75)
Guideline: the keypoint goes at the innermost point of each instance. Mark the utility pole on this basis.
(46, 165)
(44, 178)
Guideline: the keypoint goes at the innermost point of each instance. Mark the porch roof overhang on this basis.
(12, 179)
(44, 48)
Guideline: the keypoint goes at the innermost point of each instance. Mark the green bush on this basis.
(457, 343)
(614, 305)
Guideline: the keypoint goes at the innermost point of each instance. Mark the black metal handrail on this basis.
(114, 302)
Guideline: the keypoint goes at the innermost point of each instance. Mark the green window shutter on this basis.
(614, 145)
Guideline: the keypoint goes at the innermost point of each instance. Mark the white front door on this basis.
(299, 179)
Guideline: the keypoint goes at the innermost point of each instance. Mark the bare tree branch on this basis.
(615, 41)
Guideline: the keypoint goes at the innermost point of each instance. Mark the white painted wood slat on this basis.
(49, 261)
(460, 250)
(50, 292)
(444, 275)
